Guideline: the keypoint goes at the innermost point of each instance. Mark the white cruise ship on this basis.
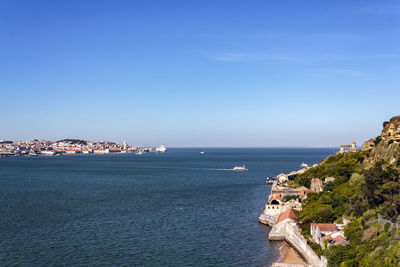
(161, 149)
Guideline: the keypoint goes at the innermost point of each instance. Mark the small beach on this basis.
(290, 255)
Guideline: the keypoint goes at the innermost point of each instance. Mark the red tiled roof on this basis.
(288, 214)
(327, 237)
(325, 227)
(339, 240)
(304, 192)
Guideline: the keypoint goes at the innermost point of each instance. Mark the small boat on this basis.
(240, 168)
(202, 152)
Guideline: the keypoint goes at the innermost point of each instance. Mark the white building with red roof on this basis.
(328, 232)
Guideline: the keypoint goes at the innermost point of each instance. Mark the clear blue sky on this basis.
(199, 73)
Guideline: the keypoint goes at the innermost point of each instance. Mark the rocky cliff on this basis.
(385, 147)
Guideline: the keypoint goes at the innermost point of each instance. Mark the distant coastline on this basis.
(69, 147)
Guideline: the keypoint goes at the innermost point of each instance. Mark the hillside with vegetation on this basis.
(366, 195)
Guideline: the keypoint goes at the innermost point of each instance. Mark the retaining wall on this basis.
(290, 233)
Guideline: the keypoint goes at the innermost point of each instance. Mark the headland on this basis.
(344, 211)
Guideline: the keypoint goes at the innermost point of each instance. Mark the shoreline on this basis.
(289, 255)
(279, 215)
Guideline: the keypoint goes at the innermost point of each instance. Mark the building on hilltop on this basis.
(348, 148)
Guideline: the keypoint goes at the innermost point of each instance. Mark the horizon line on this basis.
(253, 147)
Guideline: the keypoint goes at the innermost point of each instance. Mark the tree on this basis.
(338, 254)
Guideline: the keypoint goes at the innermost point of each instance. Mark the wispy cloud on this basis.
(236, 35)
(271, 35)
(340, 36)
(251, 57)
(237, 57)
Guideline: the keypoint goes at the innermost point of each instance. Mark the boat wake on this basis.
(214, 169)
(180, 168)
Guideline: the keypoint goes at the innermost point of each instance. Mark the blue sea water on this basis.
(179, 208)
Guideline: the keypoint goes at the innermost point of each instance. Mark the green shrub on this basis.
(382, 188)
(329, 186)
(385, 123)
(342, 166)
(349, 263)
(316, 247)
(338, 254)
(288, 198)
(369, 234)
(377, 140)
(317, 212)
(383, 239)
(387, 227)
(356, 177)
(354, 231)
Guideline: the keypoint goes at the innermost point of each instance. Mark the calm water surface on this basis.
(179, 208)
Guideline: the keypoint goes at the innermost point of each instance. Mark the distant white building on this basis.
(348, 148)
(329, 179)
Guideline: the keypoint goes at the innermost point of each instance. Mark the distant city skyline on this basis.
(199, 73)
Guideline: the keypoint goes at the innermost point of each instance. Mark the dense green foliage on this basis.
(360, 195)
(316, 247)
(338, 254)
(290, 197)
(383, 188)
(328, 206)
(377, 140)
(341, 166)
(385, 123)
(373, 244)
